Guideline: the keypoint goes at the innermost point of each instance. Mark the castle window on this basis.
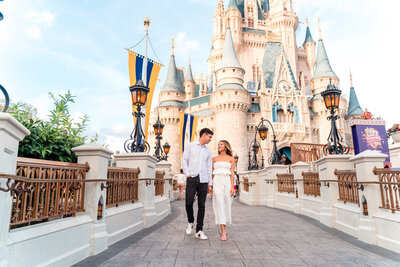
(253, 115)
(251, 23)
(236, 92)
(233, 70)
(222, 93)
(168, 93)
(167, 108)
(177, 94)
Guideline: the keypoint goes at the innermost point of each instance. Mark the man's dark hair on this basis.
(206, 130)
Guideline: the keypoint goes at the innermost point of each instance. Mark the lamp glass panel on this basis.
(263, 134)
(166, 149)
(337, 99)
(143, 98)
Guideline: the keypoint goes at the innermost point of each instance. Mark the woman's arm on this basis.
(232, 175)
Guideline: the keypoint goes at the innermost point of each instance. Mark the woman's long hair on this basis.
(227, 147)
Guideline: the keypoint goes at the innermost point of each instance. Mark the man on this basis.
(197, 166)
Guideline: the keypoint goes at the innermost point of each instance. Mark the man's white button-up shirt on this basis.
(197, 160)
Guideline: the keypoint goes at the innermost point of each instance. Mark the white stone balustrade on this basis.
(379, 227)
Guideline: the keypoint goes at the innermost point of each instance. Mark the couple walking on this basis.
(208, 175)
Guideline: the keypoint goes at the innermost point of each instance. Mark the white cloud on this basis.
(45, 17)
(34, 32)
(35, 22)
(185, 46)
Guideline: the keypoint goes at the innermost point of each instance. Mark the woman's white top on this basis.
(222, 168)
(180, 178)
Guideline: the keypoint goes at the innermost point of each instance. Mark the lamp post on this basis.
(158, 130)
(137, 142)
(6, 97)
(335, 143)
(255, 147)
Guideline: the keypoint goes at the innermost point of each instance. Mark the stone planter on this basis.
(396, 137)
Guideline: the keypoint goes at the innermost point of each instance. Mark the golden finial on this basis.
(319, 29)
(228, 24)
(172, 47)
(351, 80)
(189, 61)
(307, 22)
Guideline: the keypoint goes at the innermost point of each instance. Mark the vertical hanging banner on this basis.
(136, 64)
(184, 126)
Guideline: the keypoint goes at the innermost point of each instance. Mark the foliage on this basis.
(52, 139)
(395, 128)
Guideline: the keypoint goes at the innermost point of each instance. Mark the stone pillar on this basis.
(365, 163)
(11, 133)
(297, 169)
(270, 173)
(96, 157)
(147, 165)
(166, 167)
(330, 194)
(394, 151)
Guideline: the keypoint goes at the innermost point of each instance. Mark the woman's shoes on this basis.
(223, 237)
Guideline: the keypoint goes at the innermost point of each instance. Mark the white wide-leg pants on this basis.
(222, 200)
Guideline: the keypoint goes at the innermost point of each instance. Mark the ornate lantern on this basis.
(331, 96)
(139, 93)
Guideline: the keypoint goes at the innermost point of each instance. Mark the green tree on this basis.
(52, 139)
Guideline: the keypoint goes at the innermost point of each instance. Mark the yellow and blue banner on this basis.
(136, 69)
(186, 124)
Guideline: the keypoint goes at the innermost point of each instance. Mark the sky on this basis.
(55, 46)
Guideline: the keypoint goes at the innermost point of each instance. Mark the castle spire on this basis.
(319, 29)
(229, 57)
(308, 34)
(354, 105)
(189, 75)
(322, 67)
(172, 81)
(351, 80)
(172, 46)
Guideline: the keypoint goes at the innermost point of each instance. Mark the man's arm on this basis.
(209, 168)
(185, 161)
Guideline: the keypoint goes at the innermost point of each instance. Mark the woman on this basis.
(180, 179)
(223, 189)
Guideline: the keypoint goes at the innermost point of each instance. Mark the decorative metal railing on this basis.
(122, 185)
(43, 189)
(308, 153)
(285, 182)
(246, 184)
(311, 184)
(159, 183)
(347, 186)
(389, 183)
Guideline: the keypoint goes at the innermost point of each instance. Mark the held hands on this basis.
(210, 189)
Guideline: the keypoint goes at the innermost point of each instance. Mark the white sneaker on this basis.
(201, 235)
(189, 229)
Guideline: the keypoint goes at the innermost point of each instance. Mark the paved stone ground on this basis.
(259, 236)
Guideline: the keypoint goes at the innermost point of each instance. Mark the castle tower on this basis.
(189, 83)
(172, 97)
(309, 47)
(234, 17)
(323, 75)
(323, 72)
(230, 102)
(284, 21)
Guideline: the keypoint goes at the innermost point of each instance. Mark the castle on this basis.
(256, 70)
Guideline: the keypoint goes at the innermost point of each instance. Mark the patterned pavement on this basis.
(259, 236)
